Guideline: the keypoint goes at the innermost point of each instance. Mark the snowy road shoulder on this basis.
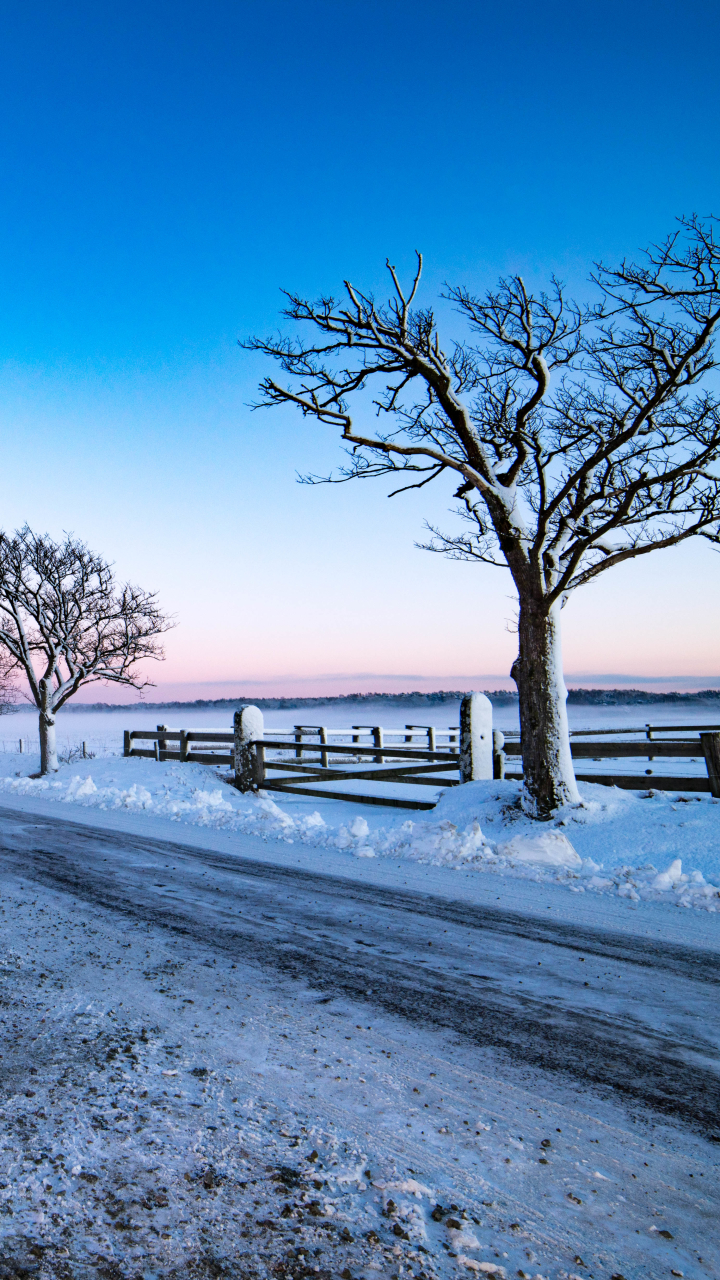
(639, 846)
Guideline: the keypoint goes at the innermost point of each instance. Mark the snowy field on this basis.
(103, 730)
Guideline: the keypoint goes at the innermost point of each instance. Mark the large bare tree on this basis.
(66, 623)
(582, 435)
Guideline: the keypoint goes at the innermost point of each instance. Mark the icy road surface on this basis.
(218, 1065)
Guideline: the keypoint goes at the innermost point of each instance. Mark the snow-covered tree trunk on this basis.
(549, 776)
(48, 745)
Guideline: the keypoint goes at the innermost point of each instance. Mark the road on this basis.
(622, 1014)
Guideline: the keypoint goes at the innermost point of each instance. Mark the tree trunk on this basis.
(48, 747)
(549, 777)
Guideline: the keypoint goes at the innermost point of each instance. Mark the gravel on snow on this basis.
(165, 1113)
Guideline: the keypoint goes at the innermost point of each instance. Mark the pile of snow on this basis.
(631, 844)
(550, 849)
(609, 821)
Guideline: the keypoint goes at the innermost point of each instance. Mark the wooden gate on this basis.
(296, 765)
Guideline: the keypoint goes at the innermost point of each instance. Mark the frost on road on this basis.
(211, 1069)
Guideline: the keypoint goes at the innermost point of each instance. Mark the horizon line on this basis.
(375, 675)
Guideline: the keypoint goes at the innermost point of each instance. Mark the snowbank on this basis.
(638, 845)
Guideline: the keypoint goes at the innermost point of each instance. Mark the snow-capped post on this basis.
(249, 728)
(711, 748)
(476, 738)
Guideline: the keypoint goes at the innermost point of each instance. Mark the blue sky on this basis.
(166, 168)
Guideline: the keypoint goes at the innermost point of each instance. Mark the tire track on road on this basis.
(297, 924)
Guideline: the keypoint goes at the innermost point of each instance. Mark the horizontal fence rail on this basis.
(644, 749)
(215, 743)
(702, 748)
(647, 730)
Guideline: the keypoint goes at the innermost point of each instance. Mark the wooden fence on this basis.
(303, 756)
(306, 759)
(214, 744)
(703, 746)
(416, 765)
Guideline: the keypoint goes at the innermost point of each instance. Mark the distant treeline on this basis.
(635, 697)
(499, 698)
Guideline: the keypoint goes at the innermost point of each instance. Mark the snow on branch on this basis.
(585, 432)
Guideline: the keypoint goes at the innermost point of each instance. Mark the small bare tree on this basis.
(66, 623)
(580, 434)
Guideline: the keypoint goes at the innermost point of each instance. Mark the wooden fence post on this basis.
(258, 763)
(127, 743)
(499, 757)
(184, 746)
(476, 745)
(711, 749)
(249, 727)
(377, 736)
(162, 743)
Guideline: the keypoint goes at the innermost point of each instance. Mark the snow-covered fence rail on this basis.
(703, 746)
(380, 736)
(181, 744)
(647, 729)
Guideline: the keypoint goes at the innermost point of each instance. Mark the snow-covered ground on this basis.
(651, 845)
(169, 1110)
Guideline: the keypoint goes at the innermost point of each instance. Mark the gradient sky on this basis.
(166, 167)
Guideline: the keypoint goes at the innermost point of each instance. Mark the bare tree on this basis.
(66, 623)
(580, 434)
